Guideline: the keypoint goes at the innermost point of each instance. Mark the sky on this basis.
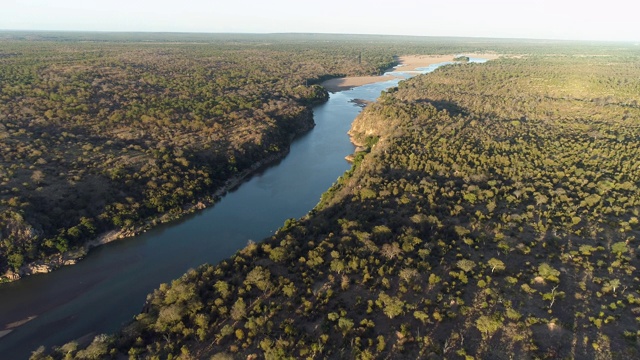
(615, 20)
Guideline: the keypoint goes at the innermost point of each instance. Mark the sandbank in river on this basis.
(406, 63)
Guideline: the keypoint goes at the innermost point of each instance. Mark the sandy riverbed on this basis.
(345, 83)
(407, 63)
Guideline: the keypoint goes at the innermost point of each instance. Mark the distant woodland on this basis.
(494, 215)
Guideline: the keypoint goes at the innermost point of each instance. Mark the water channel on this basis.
(108, 287)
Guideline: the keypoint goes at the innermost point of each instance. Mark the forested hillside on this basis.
(98, 133)
(493, 216)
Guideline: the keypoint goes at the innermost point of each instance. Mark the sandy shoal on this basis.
(406, 63)
(412, 62)
(488, 56)
(346, 83)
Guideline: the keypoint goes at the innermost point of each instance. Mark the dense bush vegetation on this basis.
(102, 135)
(494, 215)
(105, 131)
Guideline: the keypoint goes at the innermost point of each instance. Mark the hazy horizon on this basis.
(545, 19)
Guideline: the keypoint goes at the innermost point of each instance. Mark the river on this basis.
(108, 287)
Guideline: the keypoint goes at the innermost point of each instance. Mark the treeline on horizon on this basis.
(494, 214)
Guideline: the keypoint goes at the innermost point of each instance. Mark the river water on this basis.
(109, 287)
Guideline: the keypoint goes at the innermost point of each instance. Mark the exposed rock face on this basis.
(47, 265)
(35, 268)
(69, 262)
(367, 124)
(127, 233)
(12, 276)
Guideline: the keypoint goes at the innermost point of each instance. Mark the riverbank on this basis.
(405, 63)
(71, 257)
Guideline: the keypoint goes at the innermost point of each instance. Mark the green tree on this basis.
(239, 309)
(496, 264)
(345, 324)
(619, 248)
(260, 277)
(391, 305)
(15, 261)
(488, 325)
(548, 273)
(466, 265)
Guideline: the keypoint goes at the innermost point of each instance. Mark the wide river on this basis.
(108, 287)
